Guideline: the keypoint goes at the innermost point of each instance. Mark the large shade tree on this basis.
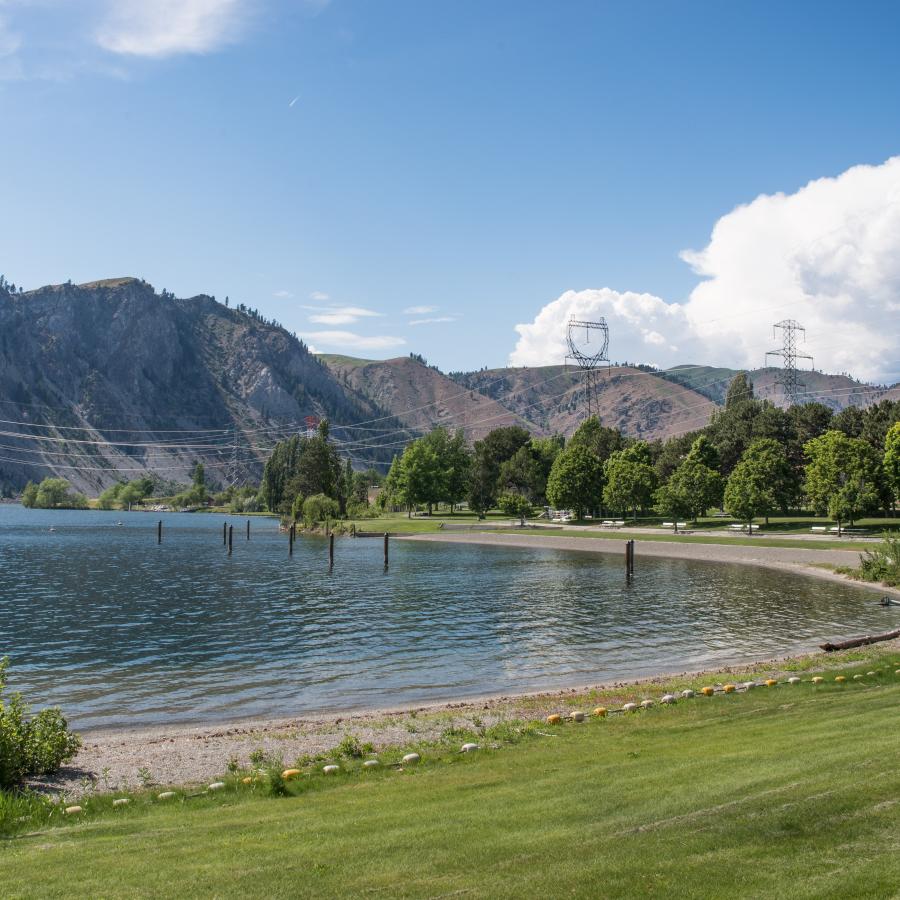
(843, 476)
(576, 480)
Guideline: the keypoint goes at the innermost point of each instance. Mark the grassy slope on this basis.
(782, 792)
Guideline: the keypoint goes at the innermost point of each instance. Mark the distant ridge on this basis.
(110, 379)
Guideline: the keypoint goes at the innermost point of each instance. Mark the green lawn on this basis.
(789, 792)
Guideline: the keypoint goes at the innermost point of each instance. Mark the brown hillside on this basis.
(422, 397)
(552, 398)
(836, 391)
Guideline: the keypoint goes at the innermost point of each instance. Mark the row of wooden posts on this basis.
(228, 540)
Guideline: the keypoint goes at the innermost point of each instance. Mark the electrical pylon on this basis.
(233, 472)
(787, 376)
(588, 361)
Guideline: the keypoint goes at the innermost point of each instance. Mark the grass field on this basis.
(790, 791)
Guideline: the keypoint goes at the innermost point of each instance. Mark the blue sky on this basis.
(473, 161)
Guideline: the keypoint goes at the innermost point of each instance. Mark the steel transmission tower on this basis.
(233, 472)
(588, 355)
(791, 331)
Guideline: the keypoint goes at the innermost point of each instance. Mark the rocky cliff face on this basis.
(110, 378)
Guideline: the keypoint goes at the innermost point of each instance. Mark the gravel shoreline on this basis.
(192, 754)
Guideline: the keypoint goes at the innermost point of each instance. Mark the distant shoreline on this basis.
(800, 561)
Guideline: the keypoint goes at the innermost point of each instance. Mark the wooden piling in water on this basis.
(230, 538)
(386, 550)
(224, 533)
(331, 550)
(159, 532)
(291, 540)
(248, 529)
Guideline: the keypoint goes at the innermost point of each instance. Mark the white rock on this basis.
(857, 677)
(331, 770)
(646, 704)
(73, 810)
(411, 758)
(748, 685)
(468, 748)
(166, 795)
(629, 707)
(687, 694)
(122, 801)
(578, 716)
(217, 786)
(371, 763)
(668, 698)
(871, 674)
(794, 680)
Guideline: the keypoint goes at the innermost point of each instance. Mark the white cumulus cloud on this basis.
(827, 255)
(160, 28)
(419, 310)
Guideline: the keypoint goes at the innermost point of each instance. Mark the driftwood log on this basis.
(861, 641)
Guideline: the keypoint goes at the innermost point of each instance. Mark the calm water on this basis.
(117, 630)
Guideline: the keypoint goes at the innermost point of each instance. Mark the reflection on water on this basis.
(118, 630)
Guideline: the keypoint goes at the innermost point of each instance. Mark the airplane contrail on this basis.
(294, 100)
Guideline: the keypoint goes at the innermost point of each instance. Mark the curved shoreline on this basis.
(192, 753)
(800, 561)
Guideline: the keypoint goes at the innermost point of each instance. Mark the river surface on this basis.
(120, 631)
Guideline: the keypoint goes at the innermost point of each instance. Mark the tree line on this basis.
(753, 458)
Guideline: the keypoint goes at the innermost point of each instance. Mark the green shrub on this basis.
(318, 508)
(30, 744)
(351, 746)
(882, 563)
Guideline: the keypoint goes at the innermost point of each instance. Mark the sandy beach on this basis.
(128, 758)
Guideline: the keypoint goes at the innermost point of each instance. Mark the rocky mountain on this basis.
(111, 379)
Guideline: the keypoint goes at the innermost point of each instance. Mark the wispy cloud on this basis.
(161, 28)
(290, 105)
(283, 295)
(349, 340)
(419, 310)
(319, 296)
(340, 315)
(437, 320)
(10, 40)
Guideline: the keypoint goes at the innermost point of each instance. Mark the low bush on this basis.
(882, 563)
(318, 508)
(30, 744)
